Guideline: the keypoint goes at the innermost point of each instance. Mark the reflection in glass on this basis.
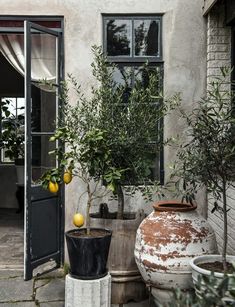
(118, 37)
(41, 160)
(43, 57)
(122, 75)
(146, 37)
(129, 77)
(142, 74)
(43, 110)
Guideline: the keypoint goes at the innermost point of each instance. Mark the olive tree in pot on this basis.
(131, 115)
(111, 137)
(207, 159)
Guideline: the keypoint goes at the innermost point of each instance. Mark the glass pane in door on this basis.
(41, 159)
(44, 101)
(43, 115)
(43, 60)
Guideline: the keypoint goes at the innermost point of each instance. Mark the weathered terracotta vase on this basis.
(166, 241)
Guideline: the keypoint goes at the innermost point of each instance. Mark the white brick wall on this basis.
(219, 54)
(218, 43)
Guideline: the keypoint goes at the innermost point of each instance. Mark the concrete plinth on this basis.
(88, 293)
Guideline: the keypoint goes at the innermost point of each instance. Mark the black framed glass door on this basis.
(44, 213)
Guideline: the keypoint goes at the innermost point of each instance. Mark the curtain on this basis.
(43, 56)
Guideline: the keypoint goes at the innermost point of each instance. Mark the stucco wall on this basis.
(219, 54)
(184, 53)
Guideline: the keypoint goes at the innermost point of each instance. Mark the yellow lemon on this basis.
(53, 187)
(67, 177)
(78, 220)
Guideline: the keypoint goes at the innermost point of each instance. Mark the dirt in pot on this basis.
(94, 233)
(105, 214)
(217, 266)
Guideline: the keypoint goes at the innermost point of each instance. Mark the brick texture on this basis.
(218, 55)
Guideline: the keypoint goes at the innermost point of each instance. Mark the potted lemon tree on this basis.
(85, 157)
(110, 138)
(130, 118)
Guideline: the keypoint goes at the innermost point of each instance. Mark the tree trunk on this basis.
(120, 196)
(225, 241)
(89, 200)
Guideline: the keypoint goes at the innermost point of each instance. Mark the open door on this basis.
(44, 212)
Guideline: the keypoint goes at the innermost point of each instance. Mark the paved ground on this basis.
(44, 291)
(11, 238)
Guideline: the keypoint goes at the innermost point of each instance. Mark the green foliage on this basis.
(54, 175)
(207, 157)
(12, 134)
(112, 134)
(212, 292)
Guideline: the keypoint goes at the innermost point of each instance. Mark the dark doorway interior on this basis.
(11, 191)
(11, 220)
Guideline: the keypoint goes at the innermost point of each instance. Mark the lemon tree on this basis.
(111, 136)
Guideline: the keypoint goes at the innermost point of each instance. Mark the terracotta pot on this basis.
(166, 241)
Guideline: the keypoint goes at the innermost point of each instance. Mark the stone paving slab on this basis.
(54, 274)
(54, 290)
(52, 304)
(44, 291)
(11, 273)
(19, 304)
(41, 282)
(14, 289)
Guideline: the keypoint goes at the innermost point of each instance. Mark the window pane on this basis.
(12, 125)
(43, 60)
(146, 37)
(118, 37)
(10, 103)
(123, 75)
(43, 110)
(143, 75)
(41, 160)
(20, 106)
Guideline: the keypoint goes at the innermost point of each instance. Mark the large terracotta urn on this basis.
(165, 243)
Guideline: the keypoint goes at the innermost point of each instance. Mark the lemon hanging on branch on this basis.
(78, 220)
(67, 178)
(53, 187)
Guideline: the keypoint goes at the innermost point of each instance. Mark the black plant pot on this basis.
(88, 255)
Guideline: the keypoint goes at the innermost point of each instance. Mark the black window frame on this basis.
(137, 61)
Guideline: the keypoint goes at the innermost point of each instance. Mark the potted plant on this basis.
(111, 138)
(12, 137)
(206, 159)
(131, 116)
(85, 157)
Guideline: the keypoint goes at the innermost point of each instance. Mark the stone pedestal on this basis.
(88, 293)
